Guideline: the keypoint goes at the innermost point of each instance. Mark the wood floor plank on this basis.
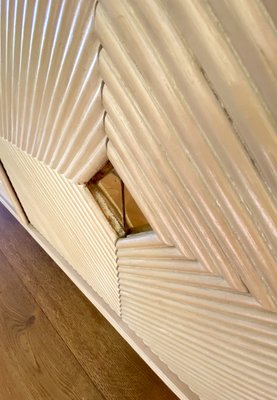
(35, 361)
(114, 367)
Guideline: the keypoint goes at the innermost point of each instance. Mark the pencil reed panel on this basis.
(253, 36)
(68, 217)
(188, 90)
(239, 63)
(144, 253)
(50, 101)
(221, 343)
(191, 131)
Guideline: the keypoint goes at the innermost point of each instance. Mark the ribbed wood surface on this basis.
(191, 132)
(144, 253)
(68, 217)
(190, 94)
(50, 96)
(190, 91)
(222, 344)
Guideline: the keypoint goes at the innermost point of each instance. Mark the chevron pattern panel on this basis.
(68, 217)
(178, 99)
(202, 175)
(222, 344)
(50, 96)
(190, 93)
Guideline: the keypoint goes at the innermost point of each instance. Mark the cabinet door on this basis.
(69, 218)
(180, 97)
(190, 95)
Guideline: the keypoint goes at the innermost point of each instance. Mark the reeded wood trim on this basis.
(50, 98)
(211, 198)
(221, 343)
(68, 217)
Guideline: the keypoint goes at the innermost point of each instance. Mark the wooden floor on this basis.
(53, 343)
